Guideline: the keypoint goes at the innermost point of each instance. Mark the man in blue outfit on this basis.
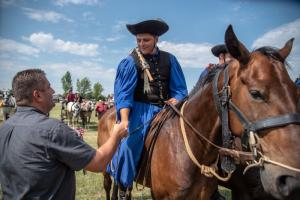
(297, 81)
(144, 81)
(39, 155)
(221, 52)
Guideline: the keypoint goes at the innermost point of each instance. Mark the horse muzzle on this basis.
(281, 184)
(288, 186)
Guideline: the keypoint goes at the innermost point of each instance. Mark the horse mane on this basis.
(272, 52)
(202, 81)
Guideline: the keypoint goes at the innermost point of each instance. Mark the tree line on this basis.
(83, 87)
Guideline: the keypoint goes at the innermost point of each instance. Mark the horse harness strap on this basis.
(224, 103)
(227, 162)
(271, 122)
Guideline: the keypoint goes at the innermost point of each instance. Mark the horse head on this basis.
(264, 112)
(74, 108)
(8, 100)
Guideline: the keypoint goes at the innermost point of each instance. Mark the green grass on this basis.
(90, 186)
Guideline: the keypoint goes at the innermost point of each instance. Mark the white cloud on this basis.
(7, 45)
(46, 42)
(190, 55)
(117, 31)
(113, 39)
(237, 7)
(76, 2)
(278, 37)
(6, 64)
(45, 16)
(89, 16)
(119, 26)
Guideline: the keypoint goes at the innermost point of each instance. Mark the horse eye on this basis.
(255, 94)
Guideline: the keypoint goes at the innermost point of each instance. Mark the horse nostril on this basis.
(288, 186)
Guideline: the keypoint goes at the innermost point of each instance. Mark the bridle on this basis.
(250, 136)
(224, 103)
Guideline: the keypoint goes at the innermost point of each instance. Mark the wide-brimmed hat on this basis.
(154, 26)
(218, 49)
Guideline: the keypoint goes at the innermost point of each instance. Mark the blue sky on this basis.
(89, 37)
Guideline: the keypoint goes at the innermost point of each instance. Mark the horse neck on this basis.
(200, 111)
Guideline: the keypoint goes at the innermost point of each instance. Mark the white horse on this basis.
(73, 110)
(8, 105)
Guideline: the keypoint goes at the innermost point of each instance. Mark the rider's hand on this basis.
(173, 101)
(120, 130)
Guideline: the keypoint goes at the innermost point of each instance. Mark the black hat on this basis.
(155, 27)
(218, 49)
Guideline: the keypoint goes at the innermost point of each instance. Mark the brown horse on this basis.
(261, 102)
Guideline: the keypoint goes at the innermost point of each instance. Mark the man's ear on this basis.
(36, 95)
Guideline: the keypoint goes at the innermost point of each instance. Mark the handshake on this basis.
(119, 130)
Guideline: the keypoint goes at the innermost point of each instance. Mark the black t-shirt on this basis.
(38, 156)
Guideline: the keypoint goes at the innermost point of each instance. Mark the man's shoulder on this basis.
(165, 53)
(127, 63)
(129, 59)
(37, 120)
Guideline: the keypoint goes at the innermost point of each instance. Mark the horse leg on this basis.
(89, 116)
(6, 116)
(114, 195)
(84, 120)
(5, 112)
(128, 193)
(125, 193)
(107, 184)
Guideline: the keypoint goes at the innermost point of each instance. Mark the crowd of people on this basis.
(42, 147)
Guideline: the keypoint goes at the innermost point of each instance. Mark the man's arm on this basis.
(124, 112)
(105, 153)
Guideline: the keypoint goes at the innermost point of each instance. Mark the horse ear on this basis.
(235, 47)
(286, 50)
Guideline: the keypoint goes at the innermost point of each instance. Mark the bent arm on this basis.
(105, 153)
(124, 86)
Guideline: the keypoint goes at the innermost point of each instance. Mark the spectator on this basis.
(39, 155)
(100, 109)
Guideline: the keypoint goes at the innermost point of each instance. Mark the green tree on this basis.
(66, 81)
(97, 91)
(84, 87)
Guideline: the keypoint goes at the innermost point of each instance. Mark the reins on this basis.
(208, 171)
